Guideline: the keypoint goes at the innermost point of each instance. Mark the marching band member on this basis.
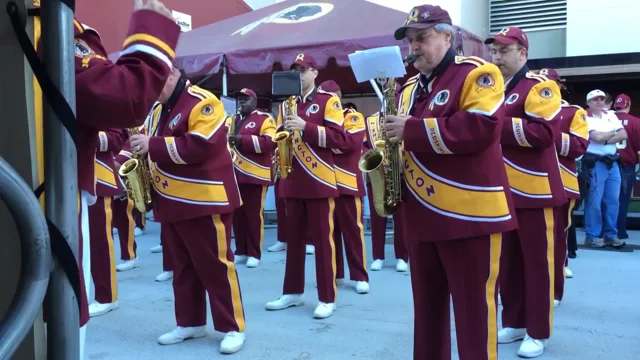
(458, 203)
(254, 149)
(527, 276)
(310, 190)
(195, 195)
(379, 223)
(348, 212)
(103, 261)
(281, 213)
(123, 212)
(571, 141)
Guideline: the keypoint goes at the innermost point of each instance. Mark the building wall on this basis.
(111, 18)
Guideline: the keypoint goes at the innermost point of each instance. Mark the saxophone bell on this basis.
(137, 180)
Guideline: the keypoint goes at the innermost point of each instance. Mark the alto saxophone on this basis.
(283, 156)
(383, 163)
(138, 179)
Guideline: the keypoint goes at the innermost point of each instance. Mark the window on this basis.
(529, 15)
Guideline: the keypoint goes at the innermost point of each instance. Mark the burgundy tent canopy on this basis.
(266, 40)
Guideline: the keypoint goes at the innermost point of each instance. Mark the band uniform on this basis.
(195, 195)
(379, 223)
(527, 266)
(142, 68)
(349, 223)
(455, 124)
(571, 140)
(253, 172)
(124, 213)
(310, 191)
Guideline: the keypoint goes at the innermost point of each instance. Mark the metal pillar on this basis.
(61, 178)
(35, 257)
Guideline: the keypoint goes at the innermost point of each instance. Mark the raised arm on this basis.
(470, 130)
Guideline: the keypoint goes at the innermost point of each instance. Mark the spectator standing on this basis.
(628, 150)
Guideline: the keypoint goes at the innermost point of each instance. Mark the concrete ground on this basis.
(599, 318)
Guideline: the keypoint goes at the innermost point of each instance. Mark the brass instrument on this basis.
(138, 181)
(383, 163)
(283, 156)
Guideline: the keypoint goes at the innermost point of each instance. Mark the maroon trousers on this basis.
(349, 224)
(140, 219)
(467, 270)
(563, 222)
(124, 222)
(166, 258)
(202, 263)
(248, 220)
(103, 259)
(379, 232)
(316, 218)
(281, 213)
(527, 273)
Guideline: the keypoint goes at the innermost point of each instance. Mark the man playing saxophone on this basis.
(253, 148)
(195, 195)
(310, 189)
(348, 214)
(457, 202)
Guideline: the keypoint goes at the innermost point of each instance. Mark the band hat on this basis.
(622, 101)
(330, 86)
(509, 36)
(595, 93)
(422, 17)
(246, 92)
(304, 60)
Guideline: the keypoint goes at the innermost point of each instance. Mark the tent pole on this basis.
(224, 76)
(61, 174)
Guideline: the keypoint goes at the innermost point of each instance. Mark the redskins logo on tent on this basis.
(292, 15)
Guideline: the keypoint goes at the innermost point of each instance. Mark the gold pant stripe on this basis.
(550, 224)
(262, 205)
(232, 275)
(334, 265)
(358, 201)
(491, 288)
(132, 225)
(112, 254)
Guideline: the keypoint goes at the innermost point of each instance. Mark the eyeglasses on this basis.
(502, 51)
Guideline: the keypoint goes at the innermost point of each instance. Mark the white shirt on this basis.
(607, 123)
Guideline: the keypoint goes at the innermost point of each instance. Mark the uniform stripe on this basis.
(572, 203)
(112, 254)
(334, 265)
(363, 244)
(263, 201)
(150, 39)
(232, 275)
(550, 224)
(495, 249)
(131, 229)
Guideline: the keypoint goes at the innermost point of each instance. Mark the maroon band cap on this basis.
(422, 17)
(622, 102)
(246, 92)
(330, 86)
(305, 60)
(509, 36)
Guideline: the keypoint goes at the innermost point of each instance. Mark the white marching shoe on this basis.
(402, 266)
(362, 287)
(377, 265)
(97, 309)
(240, 259)
(156, 249)
(324, 310)
(285, 301)
(509, 335)
(278, 246)
(232, 343)
(310, 249)
(138, 232)
(128, 265)
(252, 262)
(556, 303)
(531, 348)
(164, 276)
(568, 273)
(181, 334)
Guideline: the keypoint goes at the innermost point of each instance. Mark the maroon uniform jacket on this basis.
(313, 174)
(254, 153)
(456, 182)
(628, 149)
(572, 139)
(349, 178)
(532, 102)
(107, 179)
(189, 157)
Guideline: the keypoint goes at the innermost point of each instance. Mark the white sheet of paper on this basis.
(382, 62)
(229, 104)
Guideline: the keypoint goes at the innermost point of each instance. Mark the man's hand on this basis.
(140, 144)
(153, 5)
(394, 126)
(235, 140)
(294, 122)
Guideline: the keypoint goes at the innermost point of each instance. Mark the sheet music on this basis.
(382, 62)
(229, 104)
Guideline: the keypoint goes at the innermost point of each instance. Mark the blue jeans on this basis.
(626, 190)
(603, 190)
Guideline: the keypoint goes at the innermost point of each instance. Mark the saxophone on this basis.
(383, 163)
(283, 156)
(137, 179)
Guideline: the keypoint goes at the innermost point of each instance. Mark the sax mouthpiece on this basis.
(410, 59)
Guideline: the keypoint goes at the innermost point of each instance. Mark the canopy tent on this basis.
(243, 50)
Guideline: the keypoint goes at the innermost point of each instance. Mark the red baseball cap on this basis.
(305, 60)
(246, 92)
(509, 36)
(551, 74)
(422, 17)
(330, 86)
(622, 101)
